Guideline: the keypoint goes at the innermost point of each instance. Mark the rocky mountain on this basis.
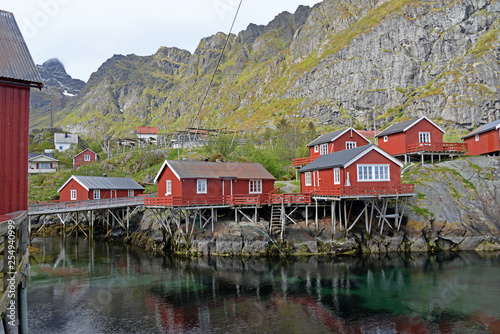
(58, 91)
(361, 62)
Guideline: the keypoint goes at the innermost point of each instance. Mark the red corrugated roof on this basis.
(147, 130)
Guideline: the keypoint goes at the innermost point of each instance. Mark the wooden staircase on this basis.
(276, 223)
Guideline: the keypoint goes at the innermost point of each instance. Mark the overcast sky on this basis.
(83, 34)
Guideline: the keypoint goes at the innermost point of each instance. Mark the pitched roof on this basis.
(15, 59)
(65, 138)
(147, 130)
(85, 150)
(215, 170)
(404, 126)
(102, 182)
(345, 158)
(34, 155)
(495, 125)
(332, 136)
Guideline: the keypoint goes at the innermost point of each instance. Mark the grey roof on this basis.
(15, 59)
(34, 155)
(397, 127)
(113, 183)
(65, 138)
(336, 159)
(216, 170)
(326, 138)
(484, 128)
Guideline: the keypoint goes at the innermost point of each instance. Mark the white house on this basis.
(63, 141)
(42, 163)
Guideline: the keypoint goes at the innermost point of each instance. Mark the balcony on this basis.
(302, 161)
(437, 147)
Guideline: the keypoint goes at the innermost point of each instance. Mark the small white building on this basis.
(39, 163)
(63, 141)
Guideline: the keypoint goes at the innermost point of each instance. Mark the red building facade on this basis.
(18, 74)
(211, 182)
(83, 188)
(366, 170)
(85, 157)
(484, 140)
(401, 138)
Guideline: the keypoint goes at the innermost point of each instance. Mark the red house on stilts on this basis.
(362, 171)
(200, 182)
(484, 140)
(330, 142)
(18, 74)
(83, 188)
(417, 137)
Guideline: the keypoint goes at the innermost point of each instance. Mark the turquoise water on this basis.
(78, 287)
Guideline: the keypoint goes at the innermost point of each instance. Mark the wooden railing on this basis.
(13, 268)
(302, 161)
(351, 191)
(57, 207)
(438, 147)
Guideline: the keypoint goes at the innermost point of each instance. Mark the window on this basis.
(336, 176)
(477, 137)
(323, 149)
(131, 193)
(97, 194)
(424, 137)
(86, 157)
(201, 186)
(350, 144)
(168, 188)
(44, 165)
(373, 173)
(308, 179)
(386, 139)
(316, 148)
(255, 187)
(73, 194)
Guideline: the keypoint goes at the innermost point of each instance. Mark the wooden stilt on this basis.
(334, 218)
(307, 215)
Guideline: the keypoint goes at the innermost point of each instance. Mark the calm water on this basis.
(75, 287)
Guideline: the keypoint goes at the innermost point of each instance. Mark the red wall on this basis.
(488, 142)
(14, 131)
(398, 142)
(79, 159)
(187, 188)
(82, 194)
(339, 143)
(373, 157)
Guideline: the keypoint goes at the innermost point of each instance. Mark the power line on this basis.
(218, 63)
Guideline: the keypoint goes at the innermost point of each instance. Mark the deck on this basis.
(449, 148)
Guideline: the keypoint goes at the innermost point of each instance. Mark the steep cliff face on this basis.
(360, 62)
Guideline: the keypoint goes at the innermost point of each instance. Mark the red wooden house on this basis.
(332, 142)
(18, 74)
(416, 136)
(199, 182)
(85, 157)
(366, 170)
(484, 140)
(83, 188)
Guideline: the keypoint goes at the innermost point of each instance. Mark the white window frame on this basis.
(168, 187)
(316, 148)
(255, 187)
(323, 149)
(97, 194)
(350, 145)
(86, 157)
(424, 137)
(336, 176)
(308, 179)
(386, 139)
(372, 173)
(477, 137)
(73, 194)
(201, 186)
(131, 193)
